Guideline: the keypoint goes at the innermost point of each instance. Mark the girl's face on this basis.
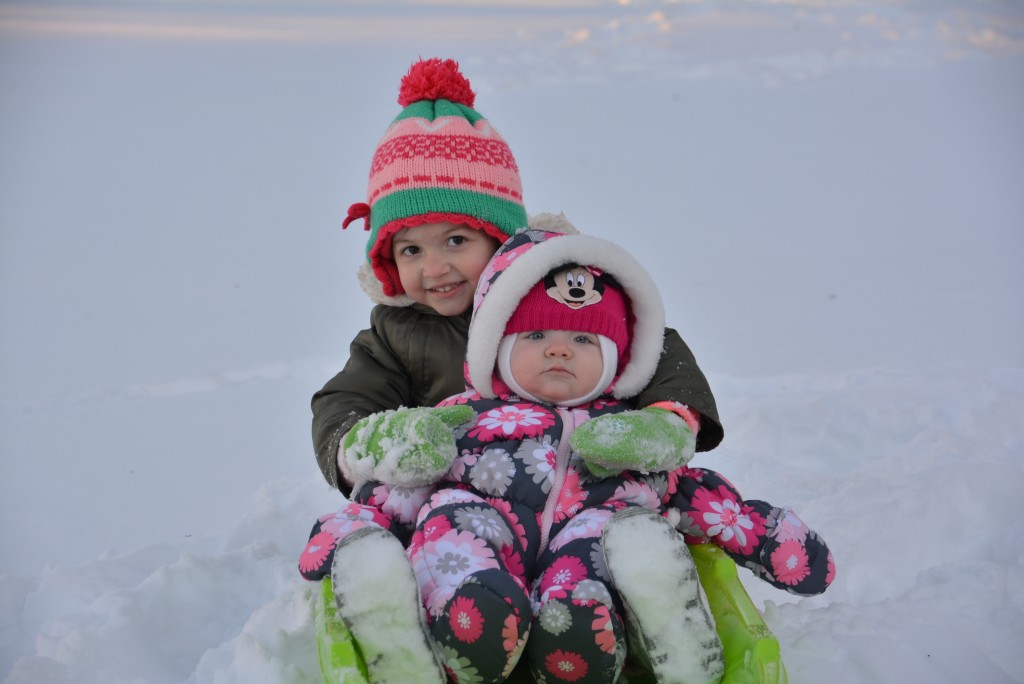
(556, 365)
(440, 263)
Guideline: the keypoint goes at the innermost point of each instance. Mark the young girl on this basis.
(444, 192)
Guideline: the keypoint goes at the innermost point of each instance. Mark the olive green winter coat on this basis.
(413, 356)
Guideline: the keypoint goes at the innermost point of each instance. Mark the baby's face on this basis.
(556, 365)
(439, 264)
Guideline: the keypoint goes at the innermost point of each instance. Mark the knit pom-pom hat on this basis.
(439, 161)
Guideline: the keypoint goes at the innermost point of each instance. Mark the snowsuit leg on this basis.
(375, 504)
(468, 558)
(328, 531)
(772, 542)
(578, 634)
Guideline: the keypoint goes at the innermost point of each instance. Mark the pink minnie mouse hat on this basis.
(575, 298)
(439, 161)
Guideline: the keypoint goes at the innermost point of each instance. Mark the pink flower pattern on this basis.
(738, 528)
(510, 634)
(566, 665)
(505, 508)
(789, 527)
(604, 635)
(513, 421)
(464, 398)
(571, 497)
(467, 459)
(562, 577)
(639, 493)
(588, 524)
(317, 549)
(789, 562)
(350, 518)
(436, 528)
(539, 458)
(465, 619)
(512, 561)
(401, 503)
(441, 564)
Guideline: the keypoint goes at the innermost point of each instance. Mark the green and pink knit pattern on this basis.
(440, 160)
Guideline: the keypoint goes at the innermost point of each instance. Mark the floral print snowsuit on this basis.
(510, 546)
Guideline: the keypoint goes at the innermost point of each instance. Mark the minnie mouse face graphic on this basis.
(574, 286)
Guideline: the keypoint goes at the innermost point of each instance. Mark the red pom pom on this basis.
(435, 79)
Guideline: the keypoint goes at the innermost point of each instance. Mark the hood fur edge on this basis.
(489, 320)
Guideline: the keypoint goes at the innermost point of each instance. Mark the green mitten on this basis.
(648, 440)
(407, 447)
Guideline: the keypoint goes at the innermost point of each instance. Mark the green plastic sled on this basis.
(335, 647)
(751, 652)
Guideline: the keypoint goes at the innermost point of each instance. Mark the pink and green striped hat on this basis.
(440, 160)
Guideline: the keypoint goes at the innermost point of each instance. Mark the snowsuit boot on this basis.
(379, 602)
(671, 631)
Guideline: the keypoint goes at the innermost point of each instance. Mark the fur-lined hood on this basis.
(521, 263)
(552, 223)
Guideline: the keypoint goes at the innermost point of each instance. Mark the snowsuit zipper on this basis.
(561, 468)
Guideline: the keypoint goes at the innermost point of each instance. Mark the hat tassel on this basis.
(359, 210)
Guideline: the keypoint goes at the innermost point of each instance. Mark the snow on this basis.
(828, 195)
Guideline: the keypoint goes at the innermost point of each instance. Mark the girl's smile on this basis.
(439, 264)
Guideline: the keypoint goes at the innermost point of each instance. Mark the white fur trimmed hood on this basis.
(522, 262)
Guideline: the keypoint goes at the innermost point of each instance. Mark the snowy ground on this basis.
(828, 193)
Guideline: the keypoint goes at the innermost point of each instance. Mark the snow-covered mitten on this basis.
(648, 440)
(408, 447)
(669, 626)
